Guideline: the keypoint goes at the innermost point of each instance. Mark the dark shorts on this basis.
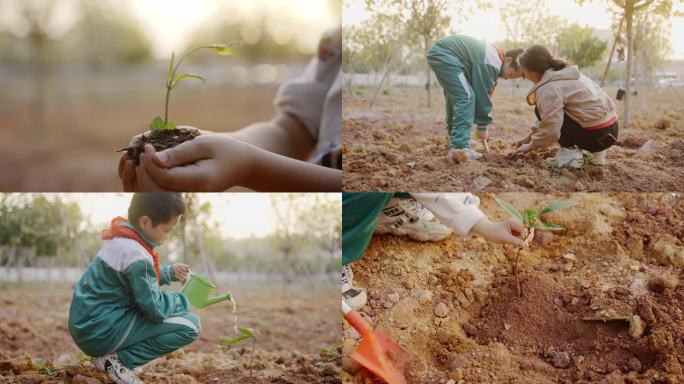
(572, 134)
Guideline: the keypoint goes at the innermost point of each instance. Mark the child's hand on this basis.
(181, 271)
(509, 231)
(524, 148)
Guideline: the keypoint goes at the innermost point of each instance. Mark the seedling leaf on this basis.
(184, 76)
(249, 332)
(552, 227)
(169, 126)
(223, 50)
(509, 208)
(157, 124)
(556, 205)
(246, 333)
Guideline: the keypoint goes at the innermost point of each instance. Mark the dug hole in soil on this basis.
(601, 302)
(161, 140)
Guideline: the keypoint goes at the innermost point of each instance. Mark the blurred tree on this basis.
(32, 225)
(580, 46)
(528, 22)
(105, 35)
(628, 10)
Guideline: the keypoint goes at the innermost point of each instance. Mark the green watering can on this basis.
(197, 290)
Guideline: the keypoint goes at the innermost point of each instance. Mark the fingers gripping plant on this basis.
(164, 133)
(531, 219)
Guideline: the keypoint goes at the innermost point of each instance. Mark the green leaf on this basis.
(169, 74)
(223, 50)
(184, 76)
(530, 216)
(556, 205)
(169, 126)
(157, 124)
(553, 227)
(249, 332)
(509, 208)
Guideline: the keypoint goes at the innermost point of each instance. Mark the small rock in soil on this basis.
(441, 310)
(469, 329)
(658, 282)
(561, 360)
(636, 327)
(662, 124)
(393, 297)
(646, 149)
(634, 364)
(524, 181)
(481, 183)
(542, 238)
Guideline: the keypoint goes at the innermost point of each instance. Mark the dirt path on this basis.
(460, 317)
(401, 145)
(294, 326)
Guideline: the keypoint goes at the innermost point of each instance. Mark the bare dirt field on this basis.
(298, 329)
(401, 145)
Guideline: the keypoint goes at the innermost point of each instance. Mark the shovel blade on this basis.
(374, 354)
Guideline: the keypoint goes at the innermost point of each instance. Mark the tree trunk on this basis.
(612, 51)
(428, 85)
(386, 71)
(629, 13)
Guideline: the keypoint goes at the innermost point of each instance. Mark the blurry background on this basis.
(226, 237)
(78, 78)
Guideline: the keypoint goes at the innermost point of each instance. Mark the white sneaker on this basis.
(469, 153)
(355, 297)
(599, 158)
(571, 157)
(409, 217)
(115, 370)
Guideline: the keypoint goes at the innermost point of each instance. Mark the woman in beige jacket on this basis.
(571, 110)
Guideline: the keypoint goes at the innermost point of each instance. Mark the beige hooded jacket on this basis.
(567, 91)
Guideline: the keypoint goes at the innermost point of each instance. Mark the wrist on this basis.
(480, 226)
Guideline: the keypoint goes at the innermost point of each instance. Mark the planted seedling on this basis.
(45, 366)
(163, 132)
(531, 219)
(243, 334)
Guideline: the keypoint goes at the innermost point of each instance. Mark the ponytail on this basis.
(538, 59)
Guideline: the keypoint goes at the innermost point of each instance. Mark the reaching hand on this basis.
(509, 231)
(524, 148)
(181, 271)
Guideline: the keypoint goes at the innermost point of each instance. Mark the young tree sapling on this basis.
(531, 219)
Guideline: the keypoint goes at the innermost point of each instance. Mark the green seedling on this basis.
(328, 354)
(173, 79)
(165, 133)
(531, 219)
(243, 334)
(45, 366)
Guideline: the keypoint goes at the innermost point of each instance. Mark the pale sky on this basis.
(485, 25)
(239, 215)
(169, 24)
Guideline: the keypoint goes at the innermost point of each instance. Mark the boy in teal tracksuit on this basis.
(119, 314)
(467, 69)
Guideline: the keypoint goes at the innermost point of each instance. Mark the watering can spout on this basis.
(217, 299)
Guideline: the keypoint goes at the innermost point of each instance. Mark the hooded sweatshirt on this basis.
(120, 285)
(566, 91)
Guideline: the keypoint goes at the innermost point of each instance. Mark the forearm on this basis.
(271, 173)
(283, 135)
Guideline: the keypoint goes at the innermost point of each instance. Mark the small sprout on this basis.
(245, 333)
(172, 80)
(328, 354)
(83, 358)
(45, 366)
(531, 219)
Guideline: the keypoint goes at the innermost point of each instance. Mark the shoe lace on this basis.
(347, 274)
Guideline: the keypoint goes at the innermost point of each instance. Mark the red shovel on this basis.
(373, 350)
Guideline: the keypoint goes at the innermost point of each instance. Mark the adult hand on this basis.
(522, 141)
(126, 168)
(208, 163)
(509, 231)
